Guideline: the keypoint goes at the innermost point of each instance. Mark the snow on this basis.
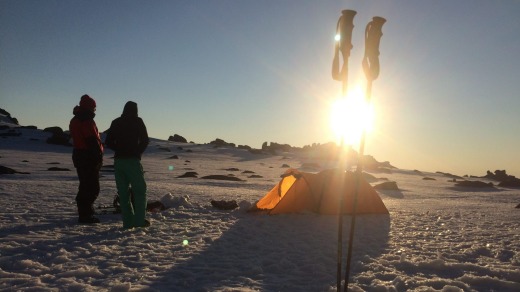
(438, 237)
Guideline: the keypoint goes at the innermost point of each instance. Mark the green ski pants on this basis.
(129, 173)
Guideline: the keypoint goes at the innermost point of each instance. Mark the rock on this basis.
(7, 170)
(473, 184)
(189, 174)
(155, 206)
(220, 143)
(177, 138)
(428, 178)
(245, 147)
(222, 177)
(389, 185)
(224, 205)
(58, 136)
(513, 183)
(450, 175)
(173, 157)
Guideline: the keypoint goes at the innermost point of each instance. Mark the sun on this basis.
(350, 116)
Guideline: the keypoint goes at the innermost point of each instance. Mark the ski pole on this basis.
(371, 68)
(344, 44)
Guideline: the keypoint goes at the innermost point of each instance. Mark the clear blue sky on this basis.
(447, 98)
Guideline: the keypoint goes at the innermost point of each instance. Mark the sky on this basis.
(250, 72)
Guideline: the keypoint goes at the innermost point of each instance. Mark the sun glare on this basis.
(350, 116)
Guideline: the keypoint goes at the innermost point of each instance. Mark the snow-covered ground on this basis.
(438, 237)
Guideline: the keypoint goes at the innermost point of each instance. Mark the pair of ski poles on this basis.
(371, 67)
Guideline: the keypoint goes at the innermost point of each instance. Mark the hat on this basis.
(87, 102)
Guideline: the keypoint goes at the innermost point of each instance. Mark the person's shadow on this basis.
(290, 252)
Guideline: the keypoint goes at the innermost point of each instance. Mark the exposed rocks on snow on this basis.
(474, 184)
(221, 143)
(58, 136)
(222, 177)
(177, 138)
(7, 117)
(189, 174)
(369, 178)
(7, 170)
(506, 181)
(450, 175)
(389, 185)
(513, 183)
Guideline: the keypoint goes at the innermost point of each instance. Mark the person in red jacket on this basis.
(87, 157)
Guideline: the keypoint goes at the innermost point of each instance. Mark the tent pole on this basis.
(371, 67)
(344, 30)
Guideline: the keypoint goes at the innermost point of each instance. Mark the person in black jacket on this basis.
(128, 137)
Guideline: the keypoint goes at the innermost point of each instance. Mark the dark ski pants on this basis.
(129, 172)
(88, 190)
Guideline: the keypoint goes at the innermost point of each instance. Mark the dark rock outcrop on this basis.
(177, 138)
(189, 174)
(7, 170)
(389, 185)
(222, 177)
(474, 184)
(224, 205)
(221, 143)
(505, 180)
(58, 136)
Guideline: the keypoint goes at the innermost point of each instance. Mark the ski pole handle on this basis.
(344, 44)
(373, 36)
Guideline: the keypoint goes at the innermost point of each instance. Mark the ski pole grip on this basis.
(344, 29)
(373, 34)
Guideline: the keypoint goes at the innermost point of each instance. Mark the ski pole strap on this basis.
(373, 35)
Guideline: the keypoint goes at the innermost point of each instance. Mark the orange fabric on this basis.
(320, 193)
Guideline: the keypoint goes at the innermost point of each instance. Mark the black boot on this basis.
(88, 220)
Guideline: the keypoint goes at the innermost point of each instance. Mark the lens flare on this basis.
(350, 116)
(185, 242)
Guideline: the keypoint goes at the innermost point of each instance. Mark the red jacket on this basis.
(85, 136)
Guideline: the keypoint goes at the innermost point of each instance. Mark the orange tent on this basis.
(320, 193)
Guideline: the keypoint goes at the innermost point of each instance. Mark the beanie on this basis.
(87, 102)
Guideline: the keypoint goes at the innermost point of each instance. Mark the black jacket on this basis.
(127, 135)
